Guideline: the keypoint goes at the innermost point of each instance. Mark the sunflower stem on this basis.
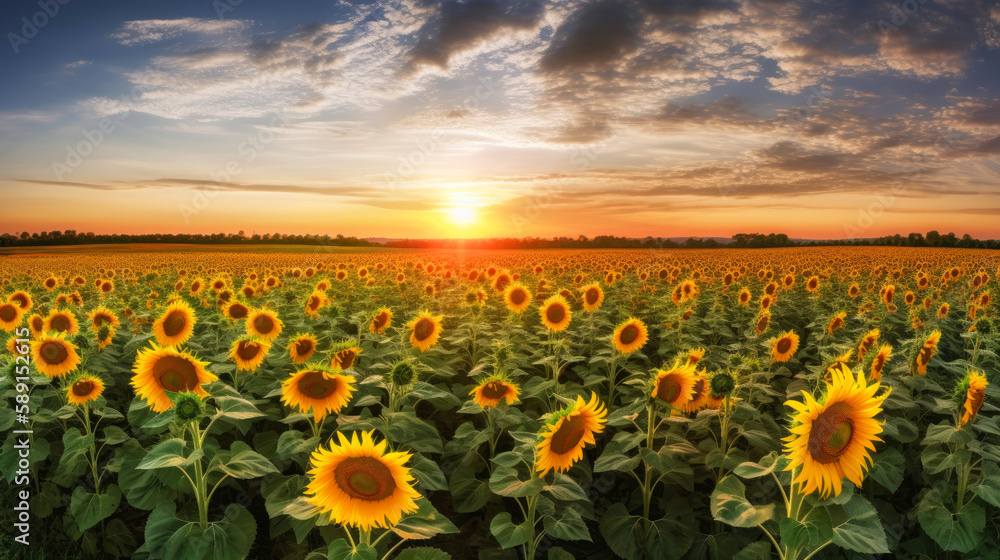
(93, 449)
(364, 537)
(647, 485)
(201, 491)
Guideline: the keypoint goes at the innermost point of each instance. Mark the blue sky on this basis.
(417, 118)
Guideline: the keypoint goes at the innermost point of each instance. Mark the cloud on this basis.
(458, 27)
(79, 64)
(991, 146)
(598, 35)
(141, 32)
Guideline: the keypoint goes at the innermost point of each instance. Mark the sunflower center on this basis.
(365, 478)
(629, 334)
(50, 283)
(175, 374)
(555, 313)
(53, 352)
(247, 350)
(699, 388)
(517, 297)
(174, 323)
(60, 323)
(879, 362)
(106, 287)
(316, 385)
(423, 329)
(569, 434)
(100, 319)
(784, 345)
(303, 347)
(668, 390)
(380, 320)
(237, 311)
(37, 323)
(314, 303)
(346, 358)
(831, 434)
(494, 390)
(7, 313)
(976, 397)
(592, 296)
(83, 388)
(263, 324)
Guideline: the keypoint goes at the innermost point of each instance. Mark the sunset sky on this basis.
(416, 118)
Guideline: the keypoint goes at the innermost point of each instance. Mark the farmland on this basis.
(423, 405)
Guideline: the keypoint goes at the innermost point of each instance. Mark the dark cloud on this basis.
(728, 112)
(991, 146)
(596, 36)
(461, 26)
(790, 156)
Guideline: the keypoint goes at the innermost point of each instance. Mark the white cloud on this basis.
(141, 32)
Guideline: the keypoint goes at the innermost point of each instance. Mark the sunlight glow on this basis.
(462, 215)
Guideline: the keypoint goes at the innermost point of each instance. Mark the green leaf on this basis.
(760, 550)
(424, 523)
(961, 532)
(507, 533)
(565, 488)
(341, 550)
(294, 442)
(862, 530)
(946, 433)
(413, 433)
(169, 453)
(624, 533)
(427, 473)
(558, 553)
(242, 462)
(729, 505)
(73, 461)
(771, 462)
(989, 488)
(89, 509)
(141, 487)
(567, 525)
(469, 493)
(505, 482)
(169, 538)
(423, 553)
(888, 469)
(113, 435)
(812, 532)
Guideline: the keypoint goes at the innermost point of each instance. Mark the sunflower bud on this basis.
(722, 384)
(403, 374)
(188, 406)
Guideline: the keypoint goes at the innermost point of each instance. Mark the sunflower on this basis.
(761, 322)
(105, 336)
(699, 394)
(62, 321)
(424, 330)
(359, 484)
(248, 352)
(36, 324)
(11, 316)
(161, 369)
(345, 355)
(695, 355)
(973, 391)
(84, 389)
(745, 297)
(381, 321)
(836, 323)
(593, 297)
(878, 362)
(832, 438)
(53, 355)
(235, 310)
(320, 389)
(51, 283)
(867, 343)
(567, 432)
(176, 325)
(555, 313)
(23, 300)
(264, 323)
(674, 386)
(494, 390)
(317, 300)
(100, 316)
(630, 335)
(517, 297)
(784, 346)
(812, 284)
(926, 352)
(943, 310)
(302, 347)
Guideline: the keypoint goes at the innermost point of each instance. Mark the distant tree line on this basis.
(739, 241)
(72, 237)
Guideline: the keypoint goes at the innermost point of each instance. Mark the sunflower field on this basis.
(791, 404)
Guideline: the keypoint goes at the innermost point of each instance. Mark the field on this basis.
(230, 403)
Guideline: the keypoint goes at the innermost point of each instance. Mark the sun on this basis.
(462, 215)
